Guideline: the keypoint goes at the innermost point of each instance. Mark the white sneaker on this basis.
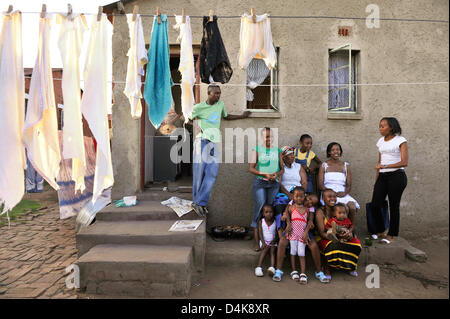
(374, 237)
(271, 271)
(259, 272)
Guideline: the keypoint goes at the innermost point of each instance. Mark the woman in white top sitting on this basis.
(391, 178)
(335, 174)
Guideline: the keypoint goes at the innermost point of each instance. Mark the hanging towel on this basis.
(95, 101)
(256, 41)
(257, 72)
(137, 58)
(12, 112)
(40, 135)
(186, 66)
(158, 81)
(214, 63)
(70, 42)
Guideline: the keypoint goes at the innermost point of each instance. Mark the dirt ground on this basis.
(29, 269)
(412, 280)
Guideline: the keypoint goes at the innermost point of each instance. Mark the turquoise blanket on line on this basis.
(158, 81)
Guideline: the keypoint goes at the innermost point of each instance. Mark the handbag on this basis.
(371, 220)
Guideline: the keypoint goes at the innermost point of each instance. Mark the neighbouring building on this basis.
(396, 56)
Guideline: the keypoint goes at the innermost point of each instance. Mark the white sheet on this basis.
(40, 135)
(95, 100)
(12, 112)
(70, 42)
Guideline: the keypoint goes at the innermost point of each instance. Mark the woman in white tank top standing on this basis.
(391, 179)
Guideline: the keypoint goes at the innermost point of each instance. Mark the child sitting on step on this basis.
(296, 227)
(339, 225)
(268, 239)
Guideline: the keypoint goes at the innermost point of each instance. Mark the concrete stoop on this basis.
(129, 251)
(137, 270)
(236, 252)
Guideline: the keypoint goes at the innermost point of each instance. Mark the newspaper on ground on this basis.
(179, 205)
(186, 225)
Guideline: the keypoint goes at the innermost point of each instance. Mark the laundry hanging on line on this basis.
(12, 112)
(257, 72)
(214, 63)
(70, 43)
(95, 100)
(186, 67)
(40, 135)
(256, 41)
(158, 81)
(137, 58)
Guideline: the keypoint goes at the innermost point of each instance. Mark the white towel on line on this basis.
(40, 135)
(137, 58)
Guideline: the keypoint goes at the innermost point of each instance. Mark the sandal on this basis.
(322, 278)
(277, 276)
(295, 276)
(303, 279)
(271, 271)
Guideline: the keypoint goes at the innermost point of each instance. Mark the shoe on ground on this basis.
(271, 271)
(198, 210)
(259, 272)
(205, 210)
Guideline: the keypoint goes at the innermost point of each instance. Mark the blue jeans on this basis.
(33, 181)
(309, 188)
(204, 170)
(263, 192)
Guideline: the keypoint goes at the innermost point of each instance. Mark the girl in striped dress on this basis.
(297, 229)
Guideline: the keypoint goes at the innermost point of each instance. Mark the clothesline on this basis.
(275, 17)
(297, 85)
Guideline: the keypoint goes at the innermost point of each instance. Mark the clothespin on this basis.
(43, 11)
(135, 12)
(183, 17)
(69, 10)
(120, 7)
(211, 13)
(158, 14)
(100, 12)
(252, 10)
(10, 9)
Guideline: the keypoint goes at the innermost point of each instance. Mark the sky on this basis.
(30, 24)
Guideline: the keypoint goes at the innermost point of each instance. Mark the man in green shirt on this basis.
(206, 159)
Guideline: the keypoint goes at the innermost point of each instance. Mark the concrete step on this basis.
(238, 252)
(159, 195)
(155, 232)
(144, 210)
(136, 270)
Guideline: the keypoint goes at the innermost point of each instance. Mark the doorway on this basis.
(157, 169)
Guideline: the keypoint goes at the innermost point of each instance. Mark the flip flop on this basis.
(277, 276)
(321, 277)
(353, 273)
(385, 241)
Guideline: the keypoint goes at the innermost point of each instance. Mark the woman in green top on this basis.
(267, 164)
